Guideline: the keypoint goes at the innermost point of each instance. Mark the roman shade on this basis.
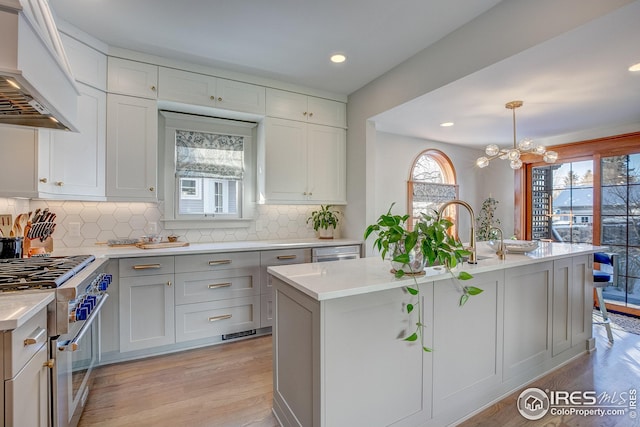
(209, 155)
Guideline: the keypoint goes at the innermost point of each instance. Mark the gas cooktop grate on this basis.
(40, 273)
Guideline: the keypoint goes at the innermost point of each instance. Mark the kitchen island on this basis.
(339, 359)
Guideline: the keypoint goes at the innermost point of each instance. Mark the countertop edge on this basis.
(32, 302)
(380, 267)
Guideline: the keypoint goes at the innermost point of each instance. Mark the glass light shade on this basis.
(504, 155)
(550, 156)
(516, 164)
(525, 144)
(482, 162)
(539, 149)
(513, 154)
(492, 150)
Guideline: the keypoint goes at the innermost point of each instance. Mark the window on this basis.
(209, 168)
(593, 197)
(432, 182)
(562, 202)
(620, 224)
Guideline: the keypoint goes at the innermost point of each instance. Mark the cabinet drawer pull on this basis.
(49, 363)
(43, 180)
(220, 262)
(283, 257)
(216, 318)
(219, 285)
(146, 266)
(37, 337)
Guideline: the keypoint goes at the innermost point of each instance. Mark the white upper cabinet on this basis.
(132, 148)
(55, 164)
(76, 168)
(295, 106)
(302, 164)
(132, 78)
(200, 89)
(87, 64)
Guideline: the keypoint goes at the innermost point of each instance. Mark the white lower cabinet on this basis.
(26, 374)
(147, 303)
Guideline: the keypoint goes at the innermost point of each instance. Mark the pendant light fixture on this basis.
(513, 154)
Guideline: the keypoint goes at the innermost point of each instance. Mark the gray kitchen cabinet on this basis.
(132, 148)
(527, 333)
(204, 90)
(26, 373)
(146, 303)
(274, 258)
(310, 109)
(132, 78)
(302, 163)
(571, 307)
(217, 294)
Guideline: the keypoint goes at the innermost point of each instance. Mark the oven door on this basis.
(76, 356)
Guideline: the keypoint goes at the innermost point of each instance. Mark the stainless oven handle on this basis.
(72, 345)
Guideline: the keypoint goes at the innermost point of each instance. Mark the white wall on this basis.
(395, 155)
(505, 30)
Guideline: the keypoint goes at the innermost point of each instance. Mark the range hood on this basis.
(37, 88)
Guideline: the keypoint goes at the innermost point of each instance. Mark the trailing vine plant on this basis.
(432, 242)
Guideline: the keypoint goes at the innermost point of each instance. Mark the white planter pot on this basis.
(326, 233)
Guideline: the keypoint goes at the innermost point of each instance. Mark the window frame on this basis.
(168, 123)
(449, 178)
(595, 149)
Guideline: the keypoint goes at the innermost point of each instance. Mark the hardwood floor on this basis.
(230, 385)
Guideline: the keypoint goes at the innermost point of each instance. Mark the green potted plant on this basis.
(324, 221)
(427, 244)
(485, 222)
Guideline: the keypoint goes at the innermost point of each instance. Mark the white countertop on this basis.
(337, 279)
(17, 308)
(104, 251)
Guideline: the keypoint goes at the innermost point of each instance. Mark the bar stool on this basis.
(603, 277)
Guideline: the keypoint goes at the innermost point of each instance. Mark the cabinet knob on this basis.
(59, 183)
(310, 114)
(49, 363)
(153, 88)
(304, 194)
(169, 283)
(152, 189)
(304, 114)
(212, 97)
(220, 99)
(43, 180)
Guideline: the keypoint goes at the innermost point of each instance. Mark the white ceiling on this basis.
(574, 82)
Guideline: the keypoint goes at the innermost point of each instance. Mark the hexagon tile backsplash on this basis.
(86, 223)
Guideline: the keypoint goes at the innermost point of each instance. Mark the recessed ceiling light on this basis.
(446, 124)
(635, 67)
(338, 58)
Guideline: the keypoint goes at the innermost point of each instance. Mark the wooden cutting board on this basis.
(161, 245)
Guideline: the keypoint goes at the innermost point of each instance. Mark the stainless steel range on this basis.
(80, 285)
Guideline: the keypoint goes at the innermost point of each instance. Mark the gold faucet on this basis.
(472, 239)
(500, 251)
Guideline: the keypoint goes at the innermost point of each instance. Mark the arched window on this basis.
(432, 181)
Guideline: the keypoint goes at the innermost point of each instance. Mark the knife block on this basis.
(31, 247)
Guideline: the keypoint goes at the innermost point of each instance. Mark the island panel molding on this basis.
(339, 326)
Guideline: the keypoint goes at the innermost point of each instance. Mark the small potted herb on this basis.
(324, 221)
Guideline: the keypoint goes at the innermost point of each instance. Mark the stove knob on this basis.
(82, 313)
